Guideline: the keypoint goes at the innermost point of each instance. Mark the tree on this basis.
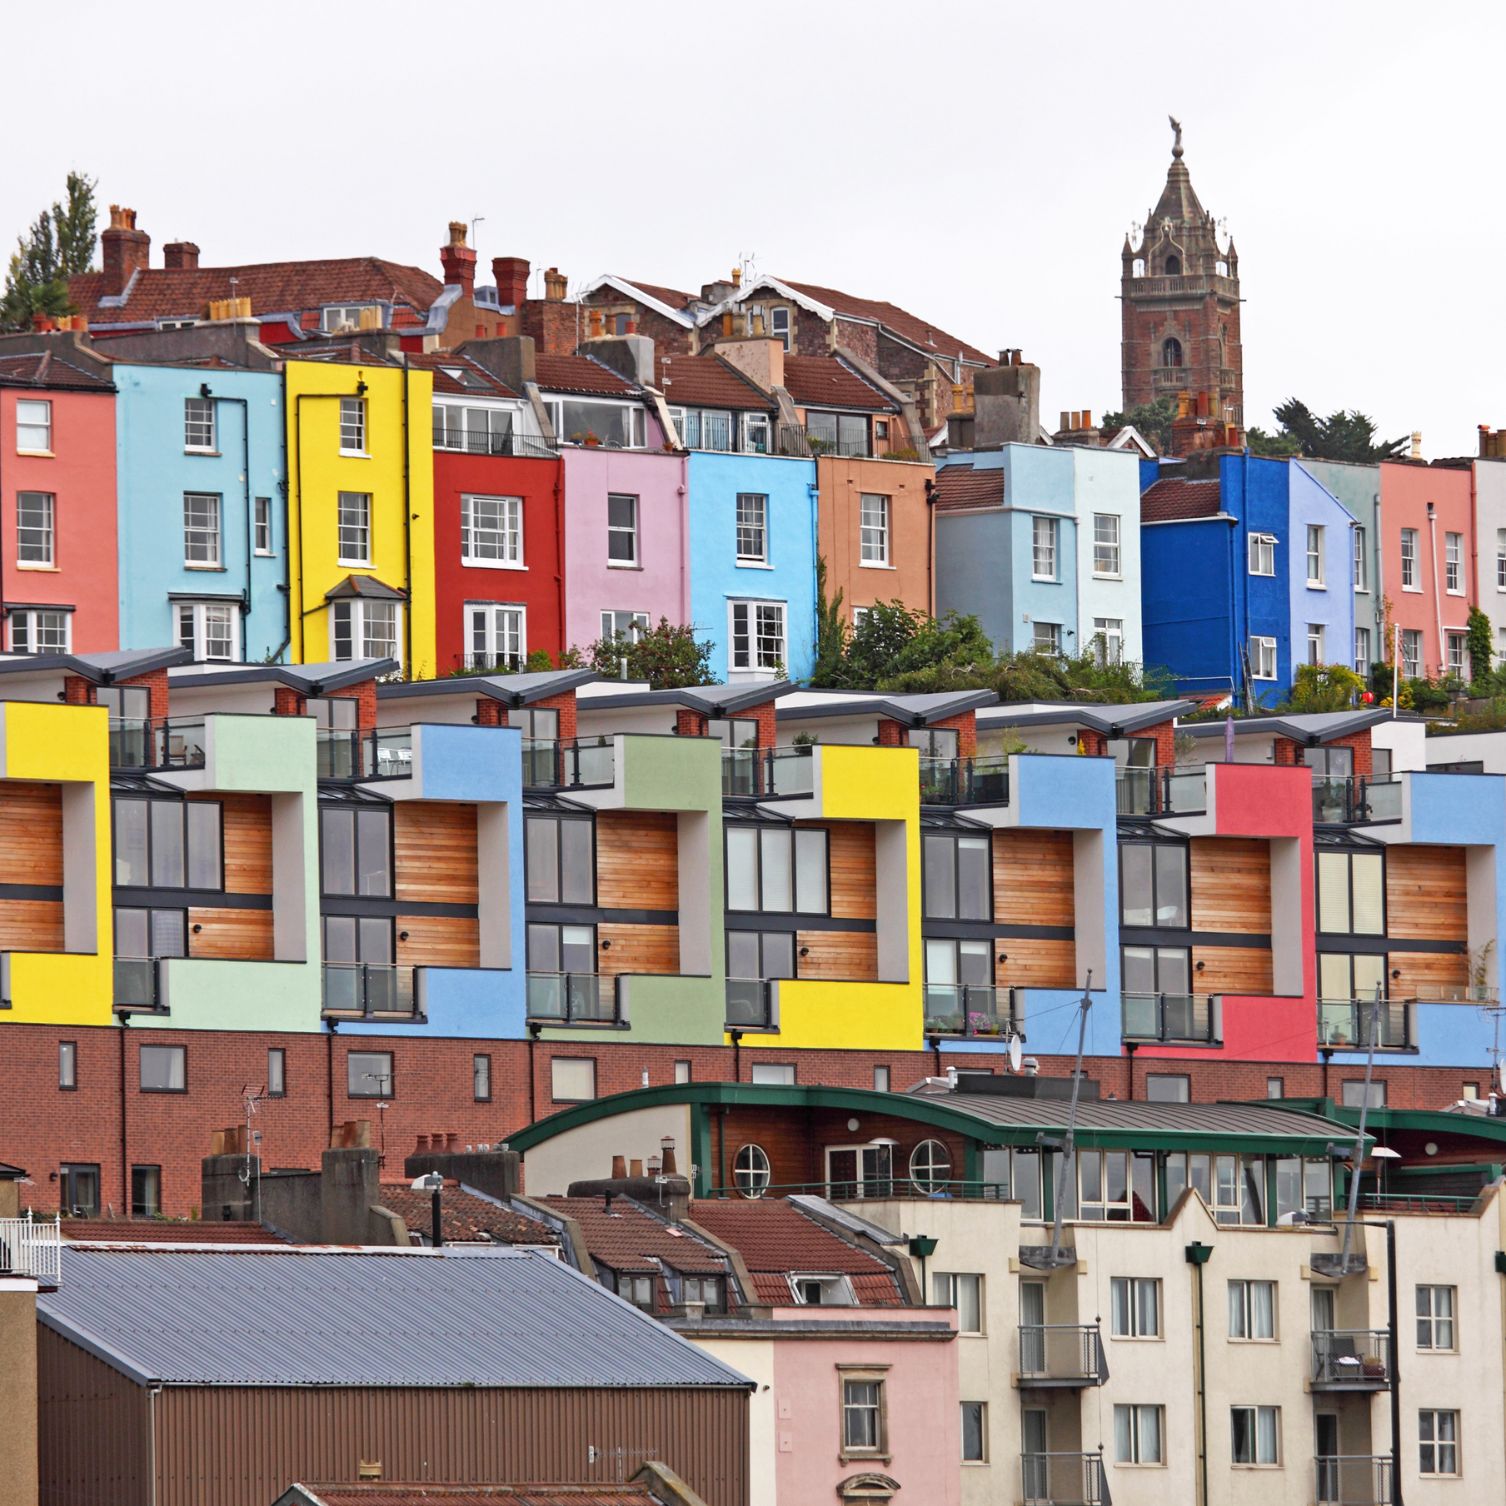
(667, 656)
(59, 245)
(1281, 446)
(1344, 435)
(1479, 640)
(831, 632)
(1324, 687)
(1153, 420)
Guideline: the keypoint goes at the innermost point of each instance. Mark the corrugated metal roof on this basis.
(1231, 1119)
(393, 1493)
(364, 1318)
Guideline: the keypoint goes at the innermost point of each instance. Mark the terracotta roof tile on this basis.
(709, 382)
(166, 1231)
(672, 296)
(1175, 499)
(631, 1239)
(901, 321)
(962, 486)
(464, 1217)
(827, 382)
(48, 369)
(582, 374)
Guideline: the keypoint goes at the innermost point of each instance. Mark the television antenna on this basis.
(1056, 1256)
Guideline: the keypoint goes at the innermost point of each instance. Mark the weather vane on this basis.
(1176, 145)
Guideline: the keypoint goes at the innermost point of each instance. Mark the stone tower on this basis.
(1180, 296)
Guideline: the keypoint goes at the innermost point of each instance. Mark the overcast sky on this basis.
(975, 163)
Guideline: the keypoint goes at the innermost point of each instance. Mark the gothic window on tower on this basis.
(1173, 267)
(1171, 352)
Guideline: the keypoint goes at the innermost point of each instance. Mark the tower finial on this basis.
(1176, 145)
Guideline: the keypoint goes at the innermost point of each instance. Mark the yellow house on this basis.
(360, 512)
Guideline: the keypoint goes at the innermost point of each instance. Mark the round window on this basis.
(750, 1169)
(930, 1166)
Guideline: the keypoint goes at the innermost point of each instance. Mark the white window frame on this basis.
(609, 624)
(1501, 559)
(1453, 564)
(860, 616)
(1108, 635)
(1315, 643)
(1262, 550)
(262, 526)
(616, 530)
(874, 513)
(1259, 649)
(34, 617)
(1361, 561)
(1255, 1411)
(1434, 1323)
(1408, 558)
(1052, 643)
(196, 617)
(1430, 1423)
(1130, 1288)
(455, 420)
(750, 527)
(46, 529)
(353, 426)
(357, 611)
(1140, 1443)
(34, 414)
(333, 316)
(776, 314)
(1456, 651)
(948, 1287)
(1107, 564)
(506, 537)
(1045, 544)
(1411, 663)
(353, 525)
(200, 426)
(1244, 1313)
(499, 621)
(753, 425)
(637, 423)
(1362, 660)
(754, 659)
(981, 1457)
(1315, 578)
(207, 536)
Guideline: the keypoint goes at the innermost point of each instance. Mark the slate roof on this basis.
(474, 380)
(103, 668)
(629, 1238)
(465, 1217)
(308, 679)
(515, 690)
(1112, 721)
(913, 328)
(829, 382)
(50, 370)
(579, 374)
(962, 486)
(367, 586)
(710, 382)
(302, 1316)
(394, 1493)
(1172, 500)
(1312, 727)
(710, 700)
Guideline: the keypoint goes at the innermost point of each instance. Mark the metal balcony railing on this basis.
(1353, 1480)
(574, 999)
(508, 442)
(32, 1247)
(1064, 1480)
(969, 1009)
(766, 773)
(1188, 1019)
(1344, 801)
(369, 990)
(1347, 1024)
(1351, 1359)
(1062, 1355)
(860, 448)
(1161, 792)
(338, 754)
(391, 753)
(138, 984)
(965, 781)
(385, 753)
(750, 1003)
(170, 743)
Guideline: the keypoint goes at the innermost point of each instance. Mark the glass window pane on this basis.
(1171, 886)
(340, 938)
(941, 962)
(779, 954)
(742, 868)
(577, 882)
(972, 878)
(940, 877)
(810, 872)
(1333, 891)
(375, 940)
(742, 954)
(130, 845)
(1136, 900)
(167, 843)
(204, 844)
(1139, 967)
(338, 851)
(131, 934)
(375, 871)
(577, 949)
(543, 949)
(169, 933)
(540, 854)
(1173, 970)
(975, 962)
(774, 855)
(1368, 878)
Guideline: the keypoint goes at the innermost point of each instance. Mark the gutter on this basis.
(244, 405)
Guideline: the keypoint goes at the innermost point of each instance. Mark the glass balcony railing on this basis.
(1062, 1354)
(1053, 1479)
(1190, 1019)
(965, 781)
(171, 743)
(969, 1009)
(368, 990)
(337, 754)
(1346, 801)
(1353, 1480)
(750, 1003)
(573, 999)
(1348, 1024)
(1351, 1358)
(391, 753)
(588, 763)
(1161, 792)
(137, 983)
(768, 773)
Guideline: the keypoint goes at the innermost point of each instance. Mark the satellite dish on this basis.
(1017, 1053)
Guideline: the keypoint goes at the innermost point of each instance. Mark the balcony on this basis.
(32, 1247)
(859, 448)
(750, 1004)
(1064, 1480)
(1181, 287)
(386, 753)
(391, 753)
(370, 991)
(1181, 1019)
(1351, 801)
(584, 763)
(970, 1011)
(574, 999)
(171, 743)
(1348, 1024)
(509, 442)
(767, 773)
(1067, 1356)
(1351, 1359)
(1161, 792)
(1353, 1480)
(965, 781)
(138, 985)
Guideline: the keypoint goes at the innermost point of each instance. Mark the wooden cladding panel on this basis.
(851, 866)
(1427, 975)
(435, 845)
(438, 941)
(247, 837)
(31, 833)
(31, 925)
(1033, 878)
(237, 935)
(1426, 893)
(838, 956)
(1232, 970)
(1035, 963)
(638, 949)
(1231, 885)
(638, 861)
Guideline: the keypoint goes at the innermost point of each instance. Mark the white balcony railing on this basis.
(32, 1247)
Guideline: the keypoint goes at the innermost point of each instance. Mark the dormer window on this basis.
(822, 1291)
(594, 422)
(337, 317)
(779, 325)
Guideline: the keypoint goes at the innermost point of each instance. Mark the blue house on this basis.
(1246, 574)
(203, 546)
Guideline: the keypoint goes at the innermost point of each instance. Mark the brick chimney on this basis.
(458, 260)
(125, 249)
(555, 283)
(511, 273)
(180, 256)
(1007, 403)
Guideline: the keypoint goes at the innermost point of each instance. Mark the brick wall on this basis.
(892, 734)
(77, 691)
(157, 688)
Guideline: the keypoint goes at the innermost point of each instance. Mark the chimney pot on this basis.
(594, 325)
(1087, 418)
(555, 283)
(124, 250)
(737, 277)
(1066, 422)
(451, 1141)
(619, 1168)
(458, 260)
(635, 1167)
(511, 274)
(727, 323)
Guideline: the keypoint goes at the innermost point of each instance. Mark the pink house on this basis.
(1427, 562)
(58, 536)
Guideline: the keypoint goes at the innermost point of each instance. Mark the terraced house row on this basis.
(468, 900)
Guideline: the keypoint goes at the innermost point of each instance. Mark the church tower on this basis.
(1180, 296)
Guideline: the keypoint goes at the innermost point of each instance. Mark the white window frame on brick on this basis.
(33, 426)
(1453, 564)
(1045, 539)
(36, 530)
(763, 635)
(1106, 561)
(353, 426)
(491, 531)
(752, 528)
(37, 624)
(1263, 658)
(873, 530)
(1262, 554)
(199, 426)
(210, 630)
(619, 623)
(1315, 555)
(1409, 560)
(352, 621)
(262, 525)
(501, 629)
(1361, 561)
(353, 528)
(202, 514)
(618, 532)
(1362, 659)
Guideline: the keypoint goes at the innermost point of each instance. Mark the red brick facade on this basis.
(892, 734)
(697, 724)
(1289, 752)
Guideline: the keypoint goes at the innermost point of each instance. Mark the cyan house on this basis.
(200, 455)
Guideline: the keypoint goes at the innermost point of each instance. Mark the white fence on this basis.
(32, 1247)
